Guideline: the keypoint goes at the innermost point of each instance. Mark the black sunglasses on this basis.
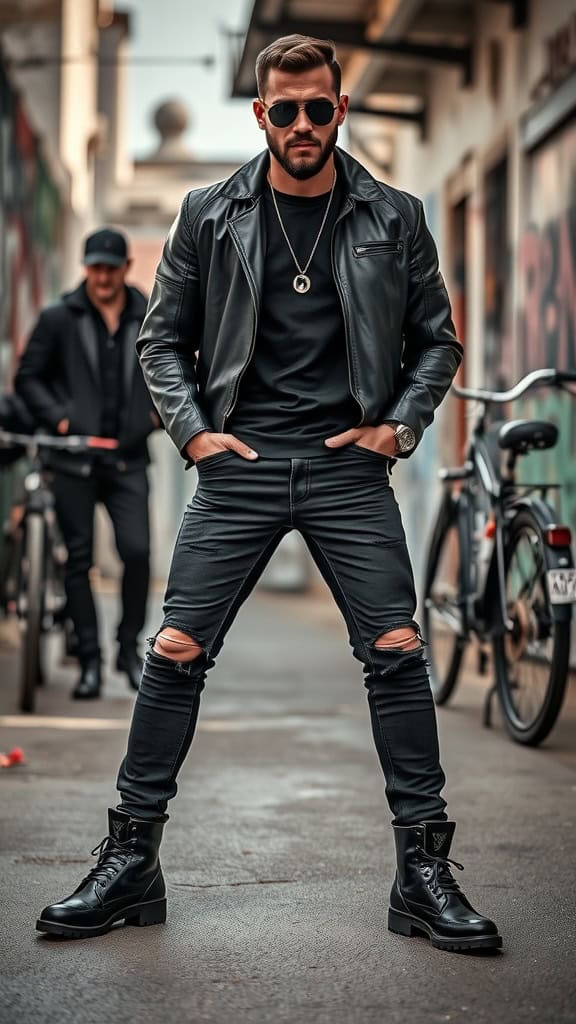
(281, 114)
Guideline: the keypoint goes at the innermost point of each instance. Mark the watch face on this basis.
(405, 439)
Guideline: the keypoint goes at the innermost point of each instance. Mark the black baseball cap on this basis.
(106, 246)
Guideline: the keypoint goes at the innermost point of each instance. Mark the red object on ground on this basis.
(14, 756)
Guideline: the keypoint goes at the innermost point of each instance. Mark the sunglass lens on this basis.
(320, 112)
(282, 114)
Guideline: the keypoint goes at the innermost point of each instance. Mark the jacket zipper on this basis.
(369, 248)
(338, 283)
(252, 287)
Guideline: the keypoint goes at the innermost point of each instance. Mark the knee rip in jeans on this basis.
(176, 646)
(398, 647)
(403, 638)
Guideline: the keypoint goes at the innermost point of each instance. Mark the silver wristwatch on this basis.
(404, 439)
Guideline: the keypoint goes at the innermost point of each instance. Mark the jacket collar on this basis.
(78, 300)
(250, 180)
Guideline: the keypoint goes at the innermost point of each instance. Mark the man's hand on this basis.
(208, 443)
(378, 439)
(63, 427)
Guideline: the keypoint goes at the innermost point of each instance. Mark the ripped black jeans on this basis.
(344, 507)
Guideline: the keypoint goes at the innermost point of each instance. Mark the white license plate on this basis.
(561, 585)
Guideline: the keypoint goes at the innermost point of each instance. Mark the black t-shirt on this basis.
(296, 390)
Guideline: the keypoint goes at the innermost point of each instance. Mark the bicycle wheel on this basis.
(442, 614)
(531, 660)
(31, 602)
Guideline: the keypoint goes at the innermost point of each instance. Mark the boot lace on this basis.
(112, 855)
(441, 878)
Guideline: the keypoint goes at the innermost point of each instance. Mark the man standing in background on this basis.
(79, 375)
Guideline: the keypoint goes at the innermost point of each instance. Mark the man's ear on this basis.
(258, 108)
(342, 108)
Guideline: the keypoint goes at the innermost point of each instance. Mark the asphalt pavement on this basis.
(279, 855)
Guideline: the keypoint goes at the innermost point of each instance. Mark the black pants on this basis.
(125, 497)
(343, 505)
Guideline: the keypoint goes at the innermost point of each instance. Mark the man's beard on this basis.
(303, 169)
(109, 296)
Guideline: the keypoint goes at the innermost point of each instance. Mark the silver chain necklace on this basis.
(301, 282)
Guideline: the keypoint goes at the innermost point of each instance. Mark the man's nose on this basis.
(303, 122)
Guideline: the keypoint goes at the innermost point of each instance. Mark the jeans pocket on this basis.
(369, 452)
(209, 460)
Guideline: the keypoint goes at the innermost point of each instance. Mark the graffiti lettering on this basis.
(548, 281)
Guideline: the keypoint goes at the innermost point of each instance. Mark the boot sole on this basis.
(140, 915)
(405, 924)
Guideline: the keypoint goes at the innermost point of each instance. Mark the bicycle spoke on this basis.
(446, 612)
(443, 619)
(530, 646)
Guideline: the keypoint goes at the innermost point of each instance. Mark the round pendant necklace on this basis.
(301, 283)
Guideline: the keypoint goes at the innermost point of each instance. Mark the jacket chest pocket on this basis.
(375, 248)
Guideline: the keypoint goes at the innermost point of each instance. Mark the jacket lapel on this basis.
(89, 343)
(129, 358)
(249, 237)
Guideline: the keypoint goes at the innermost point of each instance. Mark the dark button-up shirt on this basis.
(110, 349)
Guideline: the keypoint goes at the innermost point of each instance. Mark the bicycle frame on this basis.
(40, 502)
(483, 587)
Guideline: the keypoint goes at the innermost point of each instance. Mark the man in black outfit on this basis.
(80, 375)
(297, 342)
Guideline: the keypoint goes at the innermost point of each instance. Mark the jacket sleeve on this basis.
(432, 353)
(39, 360)
(169, 335)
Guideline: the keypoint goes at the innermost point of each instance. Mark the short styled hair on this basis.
(297, 53)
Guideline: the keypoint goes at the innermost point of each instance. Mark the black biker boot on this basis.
(90, 682)
(425, 898)
(126, 883)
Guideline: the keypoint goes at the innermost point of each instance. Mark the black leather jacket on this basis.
(200, 329)
(59, 378)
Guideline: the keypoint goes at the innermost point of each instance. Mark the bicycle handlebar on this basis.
(549, 376)
(71, 442)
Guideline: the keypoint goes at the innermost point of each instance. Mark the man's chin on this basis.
(305, 167)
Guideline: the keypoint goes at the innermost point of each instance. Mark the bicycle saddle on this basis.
(524, 435)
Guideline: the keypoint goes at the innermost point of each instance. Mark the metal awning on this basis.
(17, 12)
(386, 50)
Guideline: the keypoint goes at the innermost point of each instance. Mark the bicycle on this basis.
(499, 569)
(36, 555)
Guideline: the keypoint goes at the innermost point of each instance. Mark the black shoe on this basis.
(425, 898)
(71, 643)
(90, 682)
(131, 663)
(125, 885)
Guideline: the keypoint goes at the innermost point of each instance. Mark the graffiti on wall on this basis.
(547, 311)
(29, 228)
(29, 249)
